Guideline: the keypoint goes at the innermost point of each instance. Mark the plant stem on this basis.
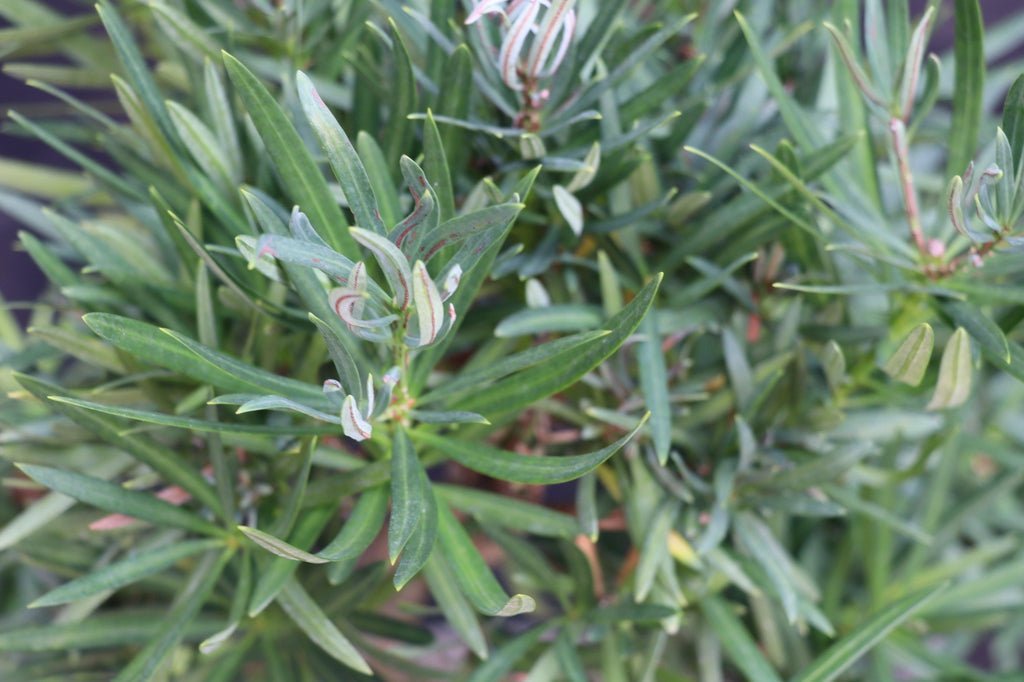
(902, 152)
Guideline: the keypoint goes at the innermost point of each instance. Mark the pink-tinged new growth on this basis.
(531, 30)
(353, 423)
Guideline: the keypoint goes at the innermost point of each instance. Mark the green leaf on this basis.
(124, 572)
(360, 530)
(550, 353)
(955, 370)
(490, 220)
(1013, 118)
(273, 576)
(172, 627)
(456, 609)
(509, 512)
(408, 493)
(377, 169)
(403, 99)
(765, 549)
(471, 571)
(654, 383)
(277, 546)
(345, 163)
(421, 545)
(511, 466)
(179, 353)
(570, 208)
(435, 163)
(138, 72)
(115, 499)
(910, 360)
(190, 423)
(164, 461)
(844, 653)
(301, 608)
(569, 658)
(981, 328)
(202, 144)
(116, 628)
(739, 646)
(524, 388)
(654, 550)
(500, 664)
(968, 85)
(296, 168)
(569, 317)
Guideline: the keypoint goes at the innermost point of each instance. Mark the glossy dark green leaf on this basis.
(654, 383)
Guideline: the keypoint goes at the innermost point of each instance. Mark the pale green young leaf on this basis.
(955, 371)
(909, 362)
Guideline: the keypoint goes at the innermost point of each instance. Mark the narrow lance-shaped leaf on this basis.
(510, 466)
(524, 388)
(654, 381)
(421, 544)
(471, 571)
(955, 370)
(844, 653)
(124, 572)
(910, 360)
(114, 498)
(430, 313)
(190, 600)
(407, 493)
(968, 84)
(1013, 118)
(299, 174)
(456, 609)
(301, 608)
(342, 156)
(738, 644)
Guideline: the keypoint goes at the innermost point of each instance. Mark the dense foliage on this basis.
(456, 340)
